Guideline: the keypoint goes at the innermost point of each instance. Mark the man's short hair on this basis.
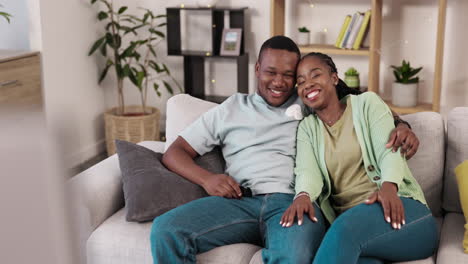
(279, 42)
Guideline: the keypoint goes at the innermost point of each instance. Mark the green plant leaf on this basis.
(128, 51)
(110, 40)
(162, 24)
(103, 49)
(126, 70)
(397, 76)
(122, 9)
(156, 89)
(93, 1)
(151, 49)
(166, 69)
(168, 87)
(413, 80)
(102, 15)
(145, 17)
(413, 72)
(96, 45)
(159, 16)
(104, 73)
(159, 33)
(132, 77)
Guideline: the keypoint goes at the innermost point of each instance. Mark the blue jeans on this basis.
(180, 234)
(362, 232)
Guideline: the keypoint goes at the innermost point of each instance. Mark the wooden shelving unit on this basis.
(194, 72)
(277, 22)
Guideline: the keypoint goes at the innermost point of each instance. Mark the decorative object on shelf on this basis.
(231, 42)
(303, 36)
(206, 3)
(194, 60)
(405, 87)
(133, 55)
(352, 78)
(5, 15)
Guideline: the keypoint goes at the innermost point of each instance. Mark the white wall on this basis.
(75, 103)
(409, 32)
(16, 34)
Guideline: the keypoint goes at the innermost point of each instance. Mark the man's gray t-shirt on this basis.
(258, 141)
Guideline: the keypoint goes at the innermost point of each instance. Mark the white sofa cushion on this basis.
(457, 152)
(450, 245)
(117, 241)
(182, 110)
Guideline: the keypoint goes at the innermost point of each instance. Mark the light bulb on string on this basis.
(311, 5)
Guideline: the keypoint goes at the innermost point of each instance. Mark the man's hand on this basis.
(300, 205)
(387, 196)
(403, 137)
(222, 185)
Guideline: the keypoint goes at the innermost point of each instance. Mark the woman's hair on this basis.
(341, 88)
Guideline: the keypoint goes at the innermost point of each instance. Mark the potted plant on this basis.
(129, 46)
(5, 15)
(405, 87)
(352, 78)
(303, 37)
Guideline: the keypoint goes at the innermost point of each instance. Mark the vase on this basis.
(206, 3)
(134, 127)
(405, 95)
(303, 38)
(352, 81)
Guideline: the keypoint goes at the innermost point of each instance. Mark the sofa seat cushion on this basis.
(450, 245)
(117, 241)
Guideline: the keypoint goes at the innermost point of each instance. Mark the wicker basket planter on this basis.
(131, 128)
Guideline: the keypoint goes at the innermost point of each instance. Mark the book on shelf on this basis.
(344, 27)
(362, 31)
(354, 31)
(348, 30)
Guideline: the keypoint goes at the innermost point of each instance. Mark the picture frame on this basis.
(231, 42)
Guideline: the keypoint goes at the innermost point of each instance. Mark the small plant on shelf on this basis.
(303, 36)
(303, 30)
(352, 78)
(405, 87)
(405, 73)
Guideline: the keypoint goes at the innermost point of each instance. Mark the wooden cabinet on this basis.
(20, 78)
(277, 22)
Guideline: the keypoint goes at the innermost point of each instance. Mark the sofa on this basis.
(104, 236)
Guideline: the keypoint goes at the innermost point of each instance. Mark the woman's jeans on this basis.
(180, 234)
(361, 235)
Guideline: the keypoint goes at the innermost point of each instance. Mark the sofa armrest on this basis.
(96, 193)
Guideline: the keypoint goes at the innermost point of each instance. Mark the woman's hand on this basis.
(404, 138)
(387, 196)
(300, 205)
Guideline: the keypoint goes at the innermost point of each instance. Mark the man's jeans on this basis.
(180, 234)
(362, 231)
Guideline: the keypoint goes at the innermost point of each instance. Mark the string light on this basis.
(325, 30)
(182, 5)
(213, 81)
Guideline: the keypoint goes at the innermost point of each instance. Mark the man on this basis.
(258, 144)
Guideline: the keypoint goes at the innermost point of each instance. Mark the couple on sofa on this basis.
(332, 188)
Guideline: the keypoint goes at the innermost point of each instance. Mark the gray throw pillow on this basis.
(150, 189)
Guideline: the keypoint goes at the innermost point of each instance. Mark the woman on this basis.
(342, 163)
